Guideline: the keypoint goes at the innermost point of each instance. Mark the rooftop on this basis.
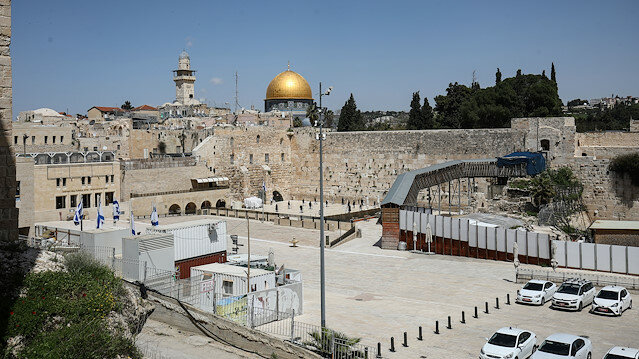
(231, 270)
(610, 224)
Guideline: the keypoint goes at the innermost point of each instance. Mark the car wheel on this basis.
(580, 307)
(589, 355)
(630, 306)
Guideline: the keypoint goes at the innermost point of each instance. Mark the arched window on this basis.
(545, 145)
(258, 139)
(232, 141)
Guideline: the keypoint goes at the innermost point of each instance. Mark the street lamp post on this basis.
(322, 240)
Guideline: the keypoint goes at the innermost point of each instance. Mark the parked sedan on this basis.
(509, 343)
(573, 294)
(564, 346)
(536, 292)
(611, 300)
(622, 353)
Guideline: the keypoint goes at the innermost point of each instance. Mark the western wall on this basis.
(363, 165)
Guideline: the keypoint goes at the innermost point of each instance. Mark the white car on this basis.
(622, 353)
(536, 292)
(612, 300)
(509, 343)
(573, 294)
(564, 346)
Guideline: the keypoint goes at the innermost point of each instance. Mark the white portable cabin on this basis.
(195, 238)
(242, 260)
(230, 280)
(147, 255)
(102, 239)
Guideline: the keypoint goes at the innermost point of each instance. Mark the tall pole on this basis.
(321, 173)
(248, 245)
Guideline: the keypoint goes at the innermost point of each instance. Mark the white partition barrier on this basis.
(483, 233)
(619, 259)
(491, 239)
(573, 257)
(588, 256)
(633, 260)
(402, 219)
(544, 246)
(472, 236)
(560, 252)
(603, 257)
(464, 225)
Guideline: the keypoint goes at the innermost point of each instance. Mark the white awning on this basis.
(211, 179)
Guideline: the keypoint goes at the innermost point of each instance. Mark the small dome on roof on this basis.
(184, 55)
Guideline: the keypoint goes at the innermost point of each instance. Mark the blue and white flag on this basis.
(100, 216)
(264, 188)
(132, 224)
(77, 218)
(116, 211)
(154, 217)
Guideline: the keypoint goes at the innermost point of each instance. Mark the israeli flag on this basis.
(132, 224)
(264, 188)
(154, 217)
(116, 211)
(78, 214)
(100, 216)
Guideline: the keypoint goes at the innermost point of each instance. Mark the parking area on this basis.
(375, 294)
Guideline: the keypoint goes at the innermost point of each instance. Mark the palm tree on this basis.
(323, 342)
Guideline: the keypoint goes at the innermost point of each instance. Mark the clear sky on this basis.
(74, 54)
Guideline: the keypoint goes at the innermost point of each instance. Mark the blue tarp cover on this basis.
(535, 161)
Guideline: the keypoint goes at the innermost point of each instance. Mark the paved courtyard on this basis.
(375, 294)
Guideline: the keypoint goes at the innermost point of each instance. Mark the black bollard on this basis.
(392, 348)
(405, 344)
(450, 324)
(476, 314)
(366, 353)
(379, 350)
(486, 311)
(463, 321)
(420, 337)
(508, 299)
(437, 327)
(496, 303)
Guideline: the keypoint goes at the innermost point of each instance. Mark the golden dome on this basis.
(289, 85)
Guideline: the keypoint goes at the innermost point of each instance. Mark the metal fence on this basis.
(600, 280)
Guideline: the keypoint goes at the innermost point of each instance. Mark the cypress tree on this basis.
(350, 118)
(428, 118)
(519, 72)
(543, 74)
(553, 75)
(498, 77)
(415, 114)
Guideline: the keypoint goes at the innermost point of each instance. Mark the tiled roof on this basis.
(145, 108)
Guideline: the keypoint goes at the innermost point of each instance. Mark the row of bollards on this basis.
(449, 326)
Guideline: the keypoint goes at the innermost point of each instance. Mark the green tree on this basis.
(127, 106)
(428, 117)
(415, 113)
(553, 74)
(297, 122)
(497, 77)
(350, 118)
(328, 118)
(449, 107)
(518, 72)
(312, 113)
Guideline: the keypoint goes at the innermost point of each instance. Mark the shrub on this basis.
(62, 314)
(627, 164)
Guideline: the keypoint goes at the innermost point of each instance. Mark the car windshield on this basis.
(503, 340)
(537, 287)
(558, 348)
(615, 356)
(608, 294)
(569, 289)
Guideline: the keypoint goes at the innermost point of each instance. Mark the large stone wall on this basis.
(606, 195)
(606, 144)
(8, 210)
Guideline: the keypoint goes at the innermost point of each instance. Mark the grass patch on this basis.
(62, 314)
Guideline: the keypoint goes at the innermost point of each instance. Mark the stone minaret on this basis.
(8, 211)
(184, 80)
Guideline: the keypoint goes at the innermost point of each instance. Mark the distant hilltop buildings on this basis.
(601, 103)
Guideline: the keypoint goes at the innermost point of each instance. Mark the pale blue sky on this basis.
(74, 54)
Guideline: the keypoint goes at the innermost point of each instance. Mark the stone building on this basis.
(621, 233)
(185, 104)
(8, 211)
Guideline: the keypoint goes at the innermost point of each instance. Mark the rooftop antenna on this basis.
(237, 100)
(289, 65)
